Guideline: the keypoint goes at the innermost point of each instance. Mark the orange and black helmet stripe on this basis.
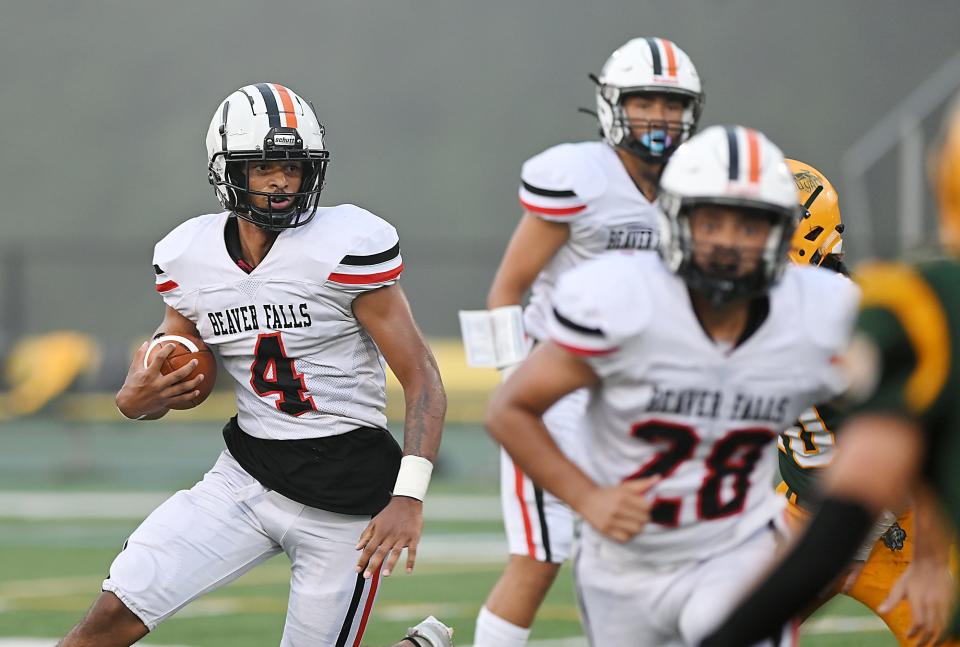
(273, 112)
(753, 146)
(753, 154)
(287, 102)
(669, 51)
(671, 57)
(655, 53)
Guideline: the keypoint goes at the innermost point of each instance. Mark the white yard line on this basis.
(40, 506)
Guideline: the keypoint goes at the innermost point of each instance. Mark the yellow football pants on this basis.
(880, 572)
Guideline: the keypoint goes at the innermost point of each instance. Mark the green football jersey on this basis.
(806, 448)
(910, 317)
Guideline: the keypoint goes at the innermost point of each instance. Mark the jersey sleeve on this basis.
(168, 270)
(373, 261)
(167, 287)
(901, 343)
(558, 184)
(593, 314)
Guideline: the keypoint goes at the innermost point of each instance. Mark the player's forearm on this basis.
(505, 292)
(524, 436)
(931, 531)
(426, 406)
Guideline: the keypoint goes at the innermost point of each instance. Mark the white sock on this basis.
(494, 631)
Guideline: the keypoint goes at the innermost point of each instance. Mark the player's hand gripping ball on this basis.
(187, 348)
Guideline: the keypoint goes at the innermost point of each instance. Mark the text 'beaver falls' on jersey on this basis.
(709, 404)
(246, 318)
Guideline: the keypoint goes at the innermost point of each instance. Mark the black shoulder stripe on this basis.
(548, 193)
(157, 270)
(583, 330)
(373, 259)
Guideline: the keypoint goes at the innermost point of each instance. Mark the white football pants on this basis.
(203, 538)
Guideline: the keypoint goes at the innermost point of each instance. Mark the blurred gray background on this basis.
(431, 106)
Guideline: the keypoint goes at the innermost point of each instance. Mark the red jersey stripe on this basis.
(371, 596)
(565, 211)
(166, 286)
(753, 148)
(671, 56)
(586, 352)
(288, 111)
(362, 279)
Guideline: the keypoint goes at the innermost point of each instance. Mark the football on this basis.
(187, 348)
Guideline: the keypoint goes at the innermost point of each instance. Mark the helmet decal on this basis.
(818, 238)
(751, 160)
(655, 45)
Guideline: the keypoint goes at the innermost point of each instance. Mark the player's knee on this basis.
(108, 617)
(534, 567)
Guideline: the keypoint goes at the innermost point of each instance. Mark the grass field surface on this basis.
(62, 523)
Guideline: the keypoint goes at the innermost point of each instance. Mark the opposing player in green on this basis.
(902, 439)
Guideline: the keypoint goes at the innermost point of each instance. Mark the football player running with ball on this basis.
(899, 440)
(303, 305)
(694, 360)
(580, 200)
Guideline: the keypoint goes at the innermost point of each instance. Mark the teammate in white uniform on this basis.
(695, 359)
(300, 302)
(580, 201)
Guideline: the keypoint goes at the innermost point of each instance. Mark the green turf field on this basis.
(51, 566)
(52, 570)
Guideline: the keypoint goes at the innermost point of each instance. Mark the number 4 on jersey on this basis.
(273, 373)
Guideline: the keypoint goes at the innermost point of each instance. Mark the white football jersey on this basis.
(672, 402)
(302, 364)
(586, 186)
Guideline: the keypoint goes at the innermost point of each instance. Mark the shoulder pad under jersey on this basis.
(601, 303)
(559, 183)
(369, 249)
(171, 256)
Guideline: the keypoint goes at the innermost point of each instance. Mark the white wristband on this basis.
(413, 478)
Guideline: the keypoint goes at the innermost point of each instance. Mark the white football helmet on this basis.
(731, 166)
(647, 65)
(266, 121)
